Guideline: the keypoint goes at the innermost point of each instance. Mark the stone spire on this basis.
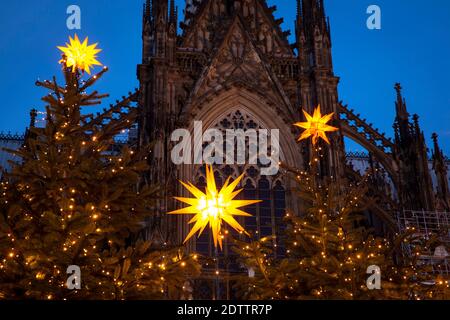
(441, 171)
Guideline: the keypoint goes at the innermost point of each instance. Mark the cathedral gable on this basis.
(206, 26)
(238, 62)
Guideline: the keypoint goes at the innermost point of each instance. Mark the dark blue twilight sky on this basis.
(413, 48)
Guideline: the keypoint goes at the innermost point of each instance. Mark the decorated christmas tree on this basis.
(75, 200)
(330, 251)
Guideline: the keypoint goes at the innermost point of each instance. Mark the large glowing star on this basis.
(80, 55)
(212, 207)
(316, 126)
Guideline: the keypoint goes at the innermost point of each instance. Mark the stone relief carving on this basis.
(257, 23)
(265, 37)
(237, 61)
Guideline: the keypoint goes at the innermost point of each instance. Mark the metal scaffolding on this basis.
(427, 224)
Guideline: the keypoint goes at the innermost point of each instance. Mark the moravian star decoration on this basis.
(80, 55)
(213, 207)
(316, 126)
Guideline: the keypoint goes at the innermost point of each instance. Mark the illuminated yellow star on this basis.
(80, 55)
(316, 126)
(213, 207)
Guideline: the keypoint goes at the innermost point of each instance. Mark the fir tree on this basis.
(76, 198)
(329, 250)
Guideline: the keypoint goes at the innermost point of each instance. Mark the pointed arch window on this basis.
(267, 216)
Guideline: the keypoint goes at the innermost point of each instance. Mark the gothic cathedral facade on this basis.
(232, 67)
